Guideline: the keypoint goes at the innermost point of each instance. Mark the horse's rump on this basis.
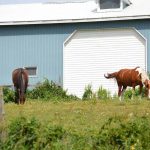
(20, 81)
(18, 75)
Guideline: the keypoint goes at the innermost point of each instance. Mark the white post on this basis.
(2, 112)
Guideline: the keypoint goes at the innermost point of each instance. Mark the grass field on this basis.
(76, 125)
(83, 117)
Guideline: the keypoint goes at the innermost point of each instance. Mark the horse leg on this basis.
(15, 92)
(123, 90)
(19, 96)
(133, 92)
(119, 92)
(25, 94)
(24, 99)
(16, 95)
(140, 94)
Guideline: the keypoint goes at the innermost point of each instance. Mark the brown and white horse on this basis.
(132, 78)
(20, 81)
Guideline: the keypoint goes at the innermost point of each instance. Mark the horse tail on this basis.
(111, 75)
(136, 67)
(21, 81)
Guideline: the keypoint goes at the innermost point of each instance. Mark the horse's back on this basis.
(129, 76)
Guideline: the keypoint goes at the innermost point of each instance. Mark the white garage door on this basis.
(88, 54)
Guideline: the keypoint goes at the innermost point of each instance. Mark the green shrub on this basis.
(118, 134)
(22, 134)
(129, 93)
(51, 137)
(79, 142)
(26, 133)
(9, 95)
(54, 133)
(48, 90)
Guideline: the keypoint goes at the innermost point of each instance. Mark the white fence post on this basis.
(2, 112)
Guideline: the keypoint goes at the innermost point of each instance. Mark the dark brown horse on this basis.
(132, 78)
(20, 81)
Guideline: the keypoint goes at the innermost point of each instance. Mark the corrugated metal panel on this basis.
(91, 53)
(31, 46)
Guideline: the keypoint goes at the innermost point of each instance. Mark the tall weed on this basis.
(103, 94)
(88, 93)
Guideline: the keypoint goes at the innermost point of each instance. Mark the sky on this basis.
(20, 1)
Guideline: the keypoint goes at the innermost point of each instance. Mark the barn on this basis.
(74, 42)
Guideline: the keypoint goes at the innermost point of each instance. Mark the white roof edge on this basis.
(58, 13)
(74, 20)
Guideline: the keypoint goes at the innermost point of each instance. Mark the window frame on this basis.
(35, 70)
(110, 9)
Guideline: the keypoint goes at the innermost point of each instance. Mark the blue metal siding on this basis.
(42, 46)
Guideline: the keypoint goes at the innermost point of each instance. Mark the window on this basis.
(32, 71)
(109, 4)
(112, 5)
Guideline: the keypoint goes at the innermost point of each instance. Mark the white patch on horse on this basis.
(144, 75)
